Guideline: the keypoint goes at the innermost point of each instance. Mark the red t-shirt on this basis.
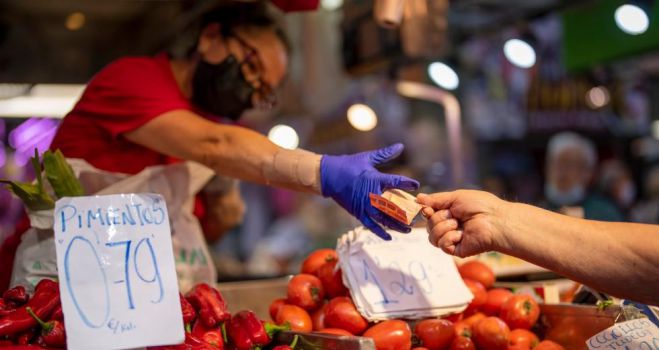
(125, 95)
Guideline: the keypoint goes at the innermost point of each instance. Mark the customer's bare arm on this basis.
(621, 259)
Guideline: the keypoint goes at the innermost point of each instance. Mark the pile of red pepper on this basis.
(210, 326)
(22, 324)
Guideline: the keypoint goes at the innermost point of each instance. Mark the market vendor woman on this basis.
(140, 112)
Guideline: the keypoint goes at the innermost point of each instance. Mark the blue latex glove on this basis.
(348, 179)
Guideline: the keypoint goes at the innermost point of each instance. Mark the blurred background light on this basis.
(284, 136)
(655, 129)
(520, 53)
(75, 21)
(42, 100)
(443, 75)
(631, 19)
(33, 133)
(362, 117)
(598, 97)
(331, 5)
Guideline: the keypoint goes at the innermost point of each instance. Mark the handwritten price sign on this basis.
(402, 278)
(116, 269)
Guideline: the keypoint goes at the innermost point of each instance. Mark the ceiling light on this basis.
(284, 136)
(42, 100)
(331, 5)
(631, 19)
(362, 117)
(597, 97)
(75, 21)
(443, 75)
(519, 53)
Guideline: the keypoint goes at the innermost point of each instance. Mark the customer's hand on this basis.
(349, 179)
(464, 222)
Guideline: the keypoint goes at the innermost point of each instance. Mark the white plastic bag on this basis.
(177, 183)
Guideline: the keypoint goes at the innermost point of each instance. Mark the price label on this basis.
(639, 334)
(116, 271)
(405, 277)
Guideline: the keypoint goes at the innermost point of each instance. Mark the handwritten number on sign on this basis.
(368, 274)
(418, 271)
(156, 271)
(402, 286)
(84, 243)
(67, 274)
(126, 279)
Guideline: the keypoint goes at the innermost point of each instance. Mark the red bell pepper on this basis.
(246, 331)
(16, 295)
(25, 337)
(212, 336)
(58, 314)
(210, 304)
(52, 331)
(5, 309)
(191, 343)
(188, 311)
(43, 302)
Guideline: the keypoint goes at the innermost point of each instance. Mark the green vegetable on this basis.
(61, 176)
(33, 195)
(58, 173)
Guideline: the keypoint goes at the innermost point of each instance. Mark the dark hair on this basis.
(232, 15)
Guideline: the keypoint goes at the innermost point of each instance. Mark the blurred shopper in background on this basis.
(571, 162)
(647, 211)
(616, 182)
(617, 258)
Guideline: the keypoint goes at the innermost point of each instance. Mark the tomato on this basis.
(523, 337)
(420, 348)
(480, 296)
(342, 313)
(318, 318)
(435, 334)
(390, 335)
(316, 259)
(495, 299)
(275, 306)
(296, 316)
(335, 331)
(462, 343)
(306, 291)
(332, 279)
(520, 311)
(464, 328)
(477, 271)
(491, 333)
(548, 345)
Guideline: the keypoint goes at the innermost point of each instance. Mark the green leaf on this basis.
(61, 176)
(32, 196)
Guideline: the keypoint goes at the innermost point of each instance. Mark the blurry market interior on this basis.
(475, 89)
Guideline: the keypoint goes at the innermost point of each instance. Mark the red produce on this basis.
(520, 311)
(390, 335)
(491, 333)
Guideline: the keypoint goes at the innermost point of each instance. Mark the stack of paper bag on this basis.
(406, 277)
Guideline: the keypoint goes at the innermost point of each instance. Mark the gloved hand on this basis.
(348, 179)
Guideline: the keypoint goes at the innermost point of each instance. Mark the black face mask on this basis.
(221, 89)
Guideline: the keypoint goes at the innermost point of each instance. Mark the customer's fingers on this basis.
(449, 241)
(440, 229)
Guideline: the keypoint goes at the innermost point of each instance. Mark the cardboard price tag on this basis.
(638, 334)
(116, 271)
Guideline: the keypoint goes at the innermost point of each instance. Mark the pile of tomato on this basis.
(496, 319)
